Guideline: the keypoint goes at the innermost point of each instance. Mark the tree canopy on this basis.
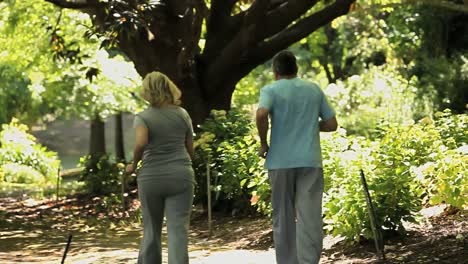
(206, 47)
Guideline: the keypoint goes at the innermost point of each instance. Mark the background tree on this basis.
(51, 71)
(237, 36)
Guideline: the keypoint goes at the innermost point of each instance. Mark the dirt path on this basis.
(36, 232)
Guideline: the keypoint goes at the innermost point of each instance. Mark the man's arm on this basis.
(262, 127)
(328, 125)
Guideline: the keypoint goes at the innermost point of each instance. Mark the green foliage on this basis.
(66, 73)
(261, 192)
(406, 166)
(452, 128)
(100, 175)
(226, 143)
(444, 175)
(344, 204)
(15, 97)
(22, 159)
(248, 89)
(109, 204)
(444, 77)
(379, 94)
(446, 178)
(18, 173)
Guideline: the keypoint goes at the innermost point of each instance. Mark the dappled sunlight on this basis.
(117, 69)
(48, 245)
(233, 240)
(235, 257)
(107, 256)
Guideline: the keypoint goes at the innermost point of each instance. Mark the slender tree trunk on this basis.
(119, 138)
(97, 146)
(328, 72)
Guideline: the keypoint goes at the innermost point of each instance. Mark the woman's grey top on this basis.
(166, 156)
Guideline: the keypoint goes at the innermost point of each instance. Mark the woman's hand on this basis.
(130, 169)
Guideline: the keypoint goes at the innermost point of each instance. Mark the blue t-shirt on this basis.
(295, 107)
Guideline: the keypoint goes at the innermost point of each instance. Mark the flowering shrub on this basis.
(22, 159)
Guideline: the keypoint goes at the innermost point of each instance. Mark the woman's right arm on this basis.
(189, 135)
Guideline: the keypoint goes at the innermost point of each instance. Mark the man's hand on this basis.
(263, 151)
(262, 126)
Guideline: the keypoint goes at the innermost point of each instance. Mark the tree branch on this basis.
(218, 25)
(201, 13)
(248, 58)
(266, 49)
(284, 15)
(436, 3)
(220, 11)
(270, 16)
(253, 29)
(256, 11)
(75, 4)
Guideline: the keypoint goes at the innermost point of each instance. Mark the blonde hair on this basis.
(159, 89)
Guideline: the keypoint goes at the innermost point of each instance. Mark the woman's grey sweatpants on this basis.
(297, 194)
(175, 197)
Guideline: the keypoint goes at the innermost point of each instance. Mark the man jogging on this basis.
(298, 111)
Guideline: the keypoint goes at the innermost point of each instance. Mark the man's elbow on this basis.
(330, 125)
(262, 115)
(333, 126)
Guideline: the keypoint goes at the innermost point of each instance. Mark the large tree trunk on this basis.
(167, 34)
(97, 142)
(188, 72)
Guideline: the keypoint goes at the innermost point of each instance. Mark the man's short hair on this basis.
(284, 63)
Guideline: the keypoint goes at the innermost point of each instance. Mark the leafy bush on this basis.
(226, 143)
(406, 166)
(379, 94)
(452, 128)
(446, 179)
(17, 173)
(100, 175)
(344, 204)
(19, 150)
(15, 96)
(393, 191)
(444, 175)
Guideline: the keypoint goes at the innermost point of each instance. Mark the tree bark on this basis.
(97, 142)
(119, 138)
(167, 40)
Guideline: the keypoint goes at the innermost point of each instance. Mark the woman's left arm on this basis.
(141, 135)
(189, 146)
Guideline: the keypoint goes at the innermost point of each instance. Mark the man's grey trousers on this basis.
(174, 198)
(297, 194)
